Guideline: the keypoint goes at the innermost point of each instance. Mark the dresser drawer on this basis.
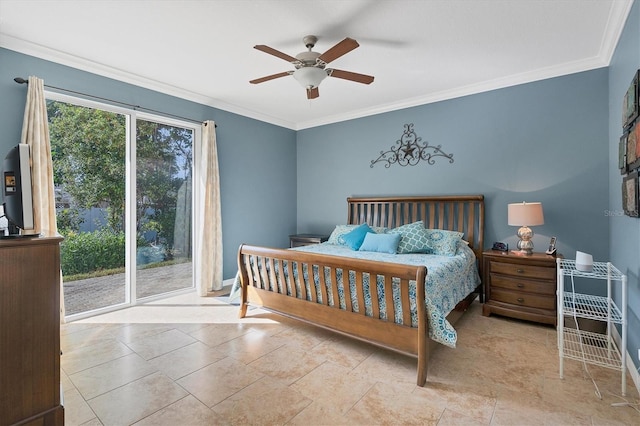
(529, 300)
(529, 271)
(522, 284)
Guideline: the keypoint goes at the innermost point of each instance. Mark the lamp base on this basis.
(525, 245)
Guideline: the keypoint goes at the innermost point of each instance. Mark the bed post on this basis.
(423, 329)
(244, 279)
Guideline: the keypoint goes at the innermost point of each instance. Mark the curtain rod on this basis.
(21, 80)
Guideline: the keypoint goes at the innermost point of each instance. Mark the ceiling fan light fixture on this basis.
(309, 77)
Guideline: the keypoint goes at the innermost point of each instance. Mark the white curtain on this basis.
(209, 237)
(35, 133)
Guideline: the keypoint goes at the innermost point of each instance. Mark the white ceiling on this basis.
(419, 51)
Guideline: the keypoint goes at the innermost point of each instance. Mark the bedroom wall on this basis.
(254, 157)
(544, 141)
(624, 236)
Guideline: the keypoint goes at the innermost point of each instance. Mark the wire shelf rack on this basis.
(586, 346)
(593, 348)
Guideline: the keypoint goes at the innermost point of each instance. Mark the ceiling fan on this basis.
(311, 66)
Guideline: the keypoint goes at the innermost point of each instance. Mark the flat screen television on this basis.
(17, 190)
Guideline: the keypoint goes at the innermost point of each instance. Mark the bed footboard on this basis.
(309, 287)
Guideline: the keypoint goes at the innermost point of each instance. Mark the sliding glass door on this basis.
(124, 202)
(164, 173)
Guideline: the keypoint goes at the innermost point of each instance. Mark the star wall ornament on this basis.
(409, 150)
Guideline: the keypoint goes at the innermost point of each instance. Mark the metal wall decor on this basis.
(409, 150)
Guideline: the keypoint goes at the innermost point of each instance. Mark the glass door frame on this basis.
(131, 198)
(131, 117)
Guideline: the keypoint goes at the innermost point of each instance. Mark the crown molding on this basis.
(63, 58)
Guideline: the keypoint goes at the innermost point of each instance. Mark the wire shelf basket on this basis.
(600, 270)
(592, 348)
(591, 307)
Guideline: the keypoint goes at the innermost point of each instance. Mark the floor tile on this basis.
(387, 403)
(75, 360)
(333, 385)
(186, 411)
(76, 409)
(287, 363)
(216, 334)
(136, 400)
(216, 382)
(105, 377)
(159, 344)
(186, 360)
(267, 401)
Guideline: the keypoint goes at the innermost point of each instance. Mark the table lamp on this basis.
(524, 215)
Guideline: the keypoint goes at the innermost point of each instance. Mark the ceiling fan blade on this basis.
(276, 53)
(313, 93)
(342, 48)
(270, 77)
(348, 75)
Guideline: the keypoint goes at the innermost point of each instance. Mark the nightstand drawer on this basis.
(521, 270)
(529, 300)
(520, 284)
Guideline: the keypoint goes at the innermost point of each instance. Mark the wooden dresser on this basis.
(30, 332)
(522, 287)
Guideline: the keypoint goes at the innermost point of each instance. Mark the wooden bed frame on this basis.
(262, 274)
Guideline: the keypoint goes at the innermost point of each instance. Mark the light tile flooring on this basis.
(190, 361)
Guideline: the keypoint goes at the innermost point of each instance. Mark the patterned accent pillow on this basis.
(443, 242)
(414, 238)
(340, 230)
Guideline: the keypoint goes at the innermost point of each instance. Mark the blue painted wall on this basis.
(624, 231)
(254, 157)
(544, 141)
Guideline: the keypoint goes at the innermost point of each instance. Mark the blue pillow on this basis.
(340, 230)
(382, 243)
(355, 237)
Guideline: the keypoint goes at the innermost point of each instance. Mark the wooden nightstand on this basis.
(298, 240)
(522, 287)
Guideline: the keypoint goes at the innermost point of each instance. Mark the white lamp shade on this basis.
(525, 214)
(309, 77)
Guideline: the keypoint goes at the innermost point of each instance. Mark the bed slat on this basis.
(360, 292)
(404, 295)
(323, 285)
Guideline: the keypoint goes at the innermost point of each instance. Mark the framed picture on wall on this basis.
(634, 135)
(635, 130)
(631, 150)
(630, 102)
(630, 194)
(622, 154)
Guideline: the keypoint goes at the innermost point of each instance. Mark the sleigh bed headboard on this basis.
(463, 213)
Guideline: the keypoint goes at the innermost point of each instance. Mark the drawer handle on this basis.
(520, 271)
(520, 285)
(520, 300)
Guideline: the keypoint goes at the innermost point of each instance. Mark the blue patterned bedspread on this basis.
(449, 280)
